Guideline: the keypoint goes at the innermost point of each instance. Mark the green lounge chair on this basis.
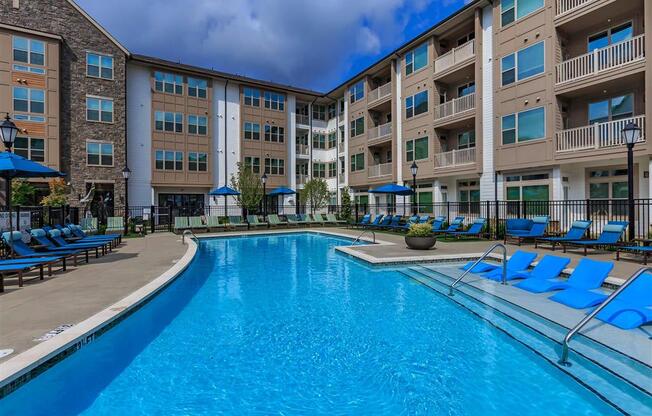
(318, 219)
(294, 219)
(235, 221)
(333, 220)
(275, 221)
(197, 224)
(115, 225)
(89, 225)
(213, 223)
(181, 224)
(253, 221)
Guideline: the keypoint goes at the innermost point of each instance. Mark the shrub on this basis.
(420, 230)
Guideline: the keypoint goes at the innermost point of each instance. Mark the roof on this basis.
(99, 27)
(31, 31)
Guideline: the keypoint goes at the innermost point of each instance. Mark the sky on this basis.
(304, 43)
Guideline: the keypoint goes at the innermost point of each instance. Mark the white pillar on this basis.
(487, 178)
(557, 185)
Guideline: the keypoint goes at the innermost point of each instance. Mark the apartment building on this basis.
(63, 81)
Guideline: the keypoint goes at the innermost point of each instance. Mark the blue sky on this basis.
(305, 43)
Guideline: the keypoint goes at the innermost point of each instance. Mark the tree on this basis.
(249, 186)
(58, 193)
(345, 212)
(22, 192)
(315, 193)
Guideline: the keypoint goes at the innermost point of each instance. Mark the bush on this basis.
(420, 230)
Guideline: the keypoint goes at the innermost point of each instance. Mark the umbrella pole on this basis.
(11, 227)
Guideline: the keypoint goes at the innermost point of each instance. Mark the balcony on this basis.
(302, 179)
(455, 158)
(383, 169)
(567, 6)
(596, 136)
(303, 119)
(456, 107)
(602, 60)
(379, 134)
(454, 57)
(379, 94)
(303, 150)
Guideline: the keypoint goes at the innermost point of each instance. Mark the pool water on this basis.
(284, 325)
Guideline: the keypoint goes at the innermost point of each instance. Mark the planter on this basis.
(420, 243)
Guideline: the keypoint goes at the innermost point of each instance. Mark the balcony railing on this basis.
(301, 179)
(455, 106)
(592, 63)
(382, 169)
(379, 133)
(379, 93)
(597, 136)
(455, 56)
(302, 119)
(565, 6)
(455, 158)
(303, 149)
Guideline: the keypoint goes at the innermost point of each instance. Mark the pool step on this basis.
(540, 337)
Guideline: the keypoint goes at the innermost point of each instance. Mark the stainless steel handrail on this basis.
(185, 233)
(503, 280)
(563, 360)
(363, 233)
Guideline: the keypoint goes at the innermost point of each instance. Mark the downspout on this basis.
(310, 136)
(226, 130)
(126, 135)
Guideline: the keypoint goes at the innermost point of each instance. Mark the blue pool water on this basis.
(284, 325)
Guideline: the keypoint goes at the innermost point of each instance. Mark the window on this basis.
(331, 110)
(531, 187)
(274, 101)
(416, 59)
(251, 131)
(30, 148)
(29, 100)
(251, 97)
(170, 122)
(332, 140)
(523, 64)
(416, 149)
(357, 127)
(99, 154)
(608, 184)
(99, 109)
(356, 92)
(466, 38)
(318, 141)
(466, 89)
(29, 51)
(274, 134)
(466, 140)
(252, 163)
(615, 108)
(342, 135)
(319, 112)
(416, 104)
(319, 170)
(511, 10)
(332, 169)
(99, 66)
(357, 162)
(197, 162)
(169, 160)
(342, 165)
(198, 125)
(524, 126)
(25, 68)
(610, 36)
(197, 87)
(274, 166)
(168, 83)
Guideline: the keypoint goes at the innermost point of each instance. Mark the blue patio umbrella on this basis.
(224, 191)
(280, 191)
(392, 189)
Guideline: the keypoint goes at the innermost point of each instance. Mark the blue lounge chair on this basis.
(23, 250)
(77, 231)
(589, 274)
(539, 225)
(631, 308)
(424, 219)
(56, 236)
(611, 234)
(576, 232)
(395, 222)
(475, 230)
(18, 269)
(645, 251)
(71, 238)
(404, 227)
(437, 223)
(366, 219)
(549, 267)
(384, 222)
(379, 220)
(453, 226)
(519, 261)
(40, 236)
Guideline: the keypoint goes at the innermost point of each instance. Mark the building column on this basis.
(557, 191)
(485, 118)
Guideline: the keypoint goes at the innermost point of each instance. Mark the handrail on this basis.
(185, 233)
(563, 360)
(363, 233)
(503, 280)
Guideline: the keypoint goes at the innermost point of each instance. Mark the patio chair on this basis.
(18, 269)
(253, 221)
(115, 225)
(454, 226)
(366, 220)
(181, 224)
(23, 250)
(70, 238)
(405, 227)
(632, 308)
(379, 220)
(518, 261)
(61, 244)
(235, 222)
(437, 223)
(294, 219)
(275, 221)
(645, 251)
(475, 230)
(88, 225)
(579, 290)
(318, 219)
(549, 267)
(576, 232)
(611, 234)
(213, 223)
(77, 231)
(424, 219)
(395, 222)
(589, 274)
(333, 220)
(196, 223)
(538, 229)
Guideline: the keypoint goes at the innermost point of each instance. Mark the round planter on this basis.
(420, 243)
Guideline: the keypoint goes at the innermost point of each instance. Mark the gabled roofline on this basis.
(31, 31)
(99, 27)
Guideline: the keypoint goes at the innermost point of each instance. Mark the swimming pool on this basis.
(283, 324)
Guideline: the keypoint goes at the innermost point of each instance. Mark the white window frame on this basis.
(197, 161)
(100, 101)
(516, 118)
(251, 130)
(175, 153)
(274, 101)
(410, 55)
(198, 88)
(280, 165)
(29, 50)
(355, 90)
(516, 18)
(29, 100)
(516, 61)
(198, 125)
(175, 116)
(177, 82)
(354, 130)
(100, 55)
(100, 143)
(413, 105)
(275, 134)
(253, 96)
(30, 149)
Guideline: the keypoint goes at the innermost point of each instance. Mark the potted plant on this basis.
(420, 237)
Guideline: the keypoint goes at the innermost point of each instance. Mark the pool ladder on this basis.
(363, 233)
(563, 360)
(503, 279)
(190, 234)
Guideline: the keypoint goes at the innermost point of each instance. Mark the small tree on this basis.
(315, 192)
(345, 212)
(22, 192)
(249, 186)
(58, 193)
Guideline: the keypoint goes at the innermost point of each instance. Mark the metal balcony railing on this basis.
(455, 56)
(597, 135)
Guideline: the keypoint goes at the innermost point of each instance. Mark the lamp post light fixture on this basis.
(126, 172)
(631, 134)
(263, 179)
(414, 169)
(8, 132)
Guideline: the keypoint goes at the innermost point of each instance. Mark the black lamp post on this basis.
(630, 135)
(126, 172)
(8, 132)
(414, 168)
(263, 179)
